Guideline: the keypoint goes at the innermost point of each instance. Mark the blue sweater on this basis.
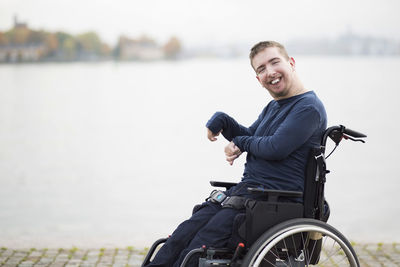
(278, 142)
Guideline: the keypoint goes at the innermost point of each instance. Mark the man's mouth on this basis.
(275, 81)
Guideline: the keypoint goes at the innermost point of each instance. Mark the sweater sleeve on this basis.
(230, 127)
(296, 129)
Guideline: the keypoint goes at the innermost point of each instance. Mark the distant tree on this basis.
(3, 39)
(172, 48)
(51, 43)
(68, 48)
(62, 36)
(106, 50)
(37, 37)
(89, 42)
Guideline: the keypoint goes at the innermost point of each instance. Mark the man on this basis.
(277, 145)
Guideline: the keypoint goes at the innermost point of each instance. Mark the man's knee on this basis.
(206, 208)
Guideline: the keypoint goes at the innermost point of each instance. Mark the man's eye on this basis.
(275, 62)
(261, 71)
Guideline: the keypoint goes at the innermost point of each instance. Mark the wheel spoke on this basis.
(294, 245)
(264, 259)
(287, 251)
(306, 254)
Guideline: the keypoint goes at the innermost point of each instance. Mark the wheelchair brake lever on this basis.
(353, 139)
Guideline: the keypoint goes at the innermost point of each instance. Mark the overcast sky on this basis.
(205, 21)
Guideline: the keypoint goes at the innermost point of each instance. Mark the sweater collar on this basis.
(284, 101)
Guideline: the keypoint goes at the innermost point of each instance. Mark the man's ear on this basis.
(292, 63)
(258, 79)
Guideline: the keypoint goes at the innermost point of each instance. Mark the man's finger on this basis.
(211, 136)
(229, 153)
(231, 158)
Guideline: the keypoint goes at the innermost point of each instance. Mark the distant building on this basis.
(22, 53)
(26, 52)
(18, 24)
(139, 49)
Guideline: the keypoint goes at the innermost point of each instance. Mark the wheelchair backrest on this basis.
(313, 196)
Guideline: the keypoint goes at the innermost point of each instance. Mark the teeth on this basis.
(275, 81)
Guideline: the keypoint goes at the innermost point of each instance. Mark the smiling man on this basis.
(277, 145)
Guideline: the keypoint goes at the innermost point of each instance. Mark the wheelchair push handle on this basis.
(353, 133)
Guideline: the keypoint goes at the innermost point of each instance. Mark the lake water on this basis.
(115, 154)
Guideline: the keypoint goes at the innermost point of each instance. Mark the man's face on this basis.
(274, 72)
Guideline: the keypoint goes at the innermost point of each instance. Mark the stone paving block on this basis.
(7, 252)
(63, 254)
(52, 251)
(136, 260)
(93, 252)
(20, 254)
(79, 253)
(121, 257)
(92, 260)
(57, 262)
(14, 261)
(36, 254)
(46, 260)
(26, 263)
(59, 259)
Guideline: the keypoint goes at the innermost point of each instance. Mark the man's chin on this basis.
(277, 93)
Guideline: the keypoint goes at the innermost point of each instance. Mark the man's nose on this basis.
(270, 71)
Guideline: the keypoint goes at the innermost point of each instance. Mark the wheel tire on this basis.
(301, 242)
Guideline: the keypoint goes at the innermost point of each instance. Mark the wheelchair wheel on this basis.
(301, 242)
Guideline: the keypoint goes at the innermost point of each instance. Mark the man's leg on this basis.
(182, 236)
(215, 233)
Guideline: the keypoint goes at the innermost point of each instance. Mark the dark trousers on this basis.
(211, 225)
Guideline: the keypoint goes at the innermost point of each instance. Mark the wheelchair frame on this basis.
(286, 233)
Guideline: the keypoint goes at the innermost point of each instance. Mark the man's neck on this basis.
(300, 90)
(297, 89)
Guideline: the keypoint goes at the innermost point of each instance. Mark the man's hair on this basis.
(266, 44)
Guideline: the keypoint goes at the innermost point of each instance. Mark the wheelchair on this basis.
(285, 233)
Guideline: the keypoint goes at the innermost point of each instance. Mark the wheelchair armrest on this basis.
(273, 195)
(227, 185)
(152, 250)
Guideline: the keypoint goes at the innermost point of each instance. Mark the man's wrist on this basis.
(238, 142)
(214, 124)
(213, 128)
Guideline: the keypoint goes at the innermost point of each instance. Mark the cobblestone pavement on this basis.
(370, 255)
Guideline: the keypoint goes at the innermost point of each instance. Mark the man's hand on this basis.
(211, 136)
(232, 152)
